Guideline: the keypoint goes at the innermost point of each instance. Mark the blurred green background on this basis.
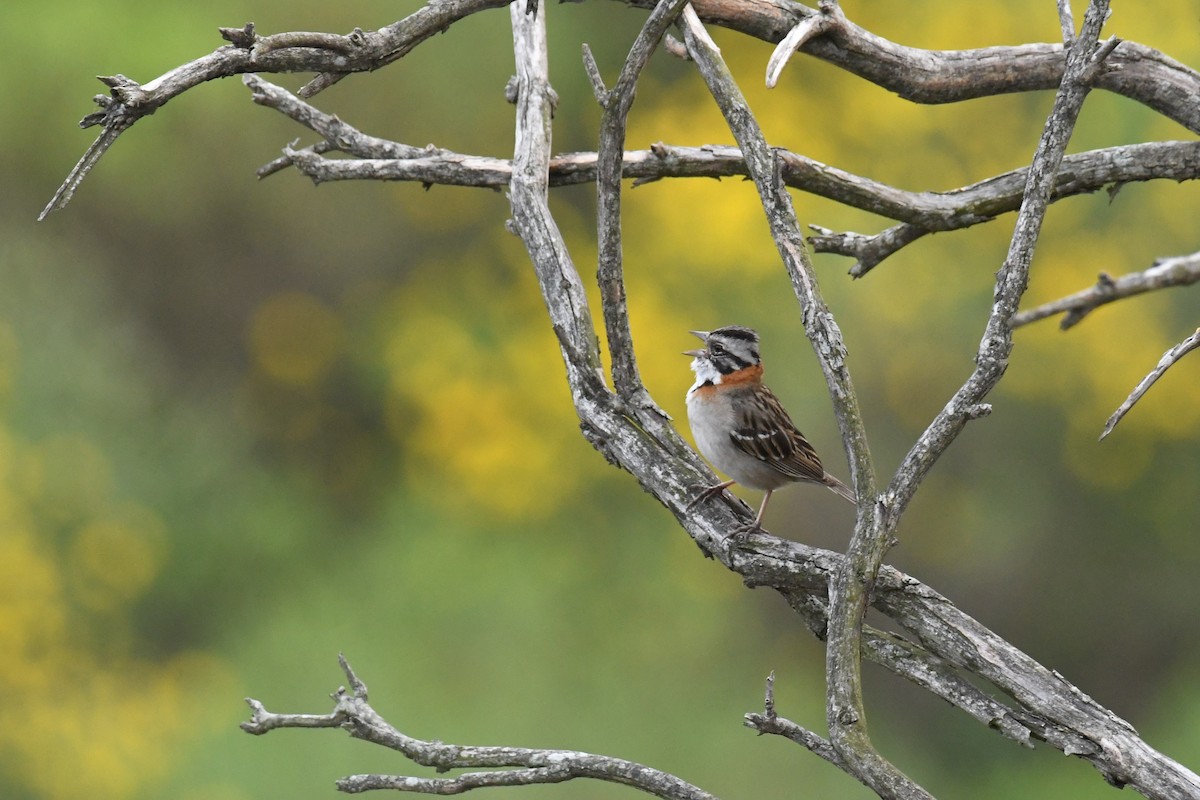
(247, 425)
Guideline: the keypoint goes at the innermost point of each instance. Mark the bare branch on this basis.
(565, 295)
(1165, 363)
(1066, 21)
(772, 723)
(845, 714)
(284, 52)
(353, 714)
(338, 134)
(807, 28)
(96, 150)
(354, 784)
(1166, 272)
(1136, 71)
(928, 211)
(1013, 277)
(919, 666)
(923, 76)
(599, 91)
(1050, 708)
(609, 158)
(922, 213)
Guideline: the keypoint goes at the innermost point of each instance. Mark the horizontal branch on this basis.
(931, 211)
(1135, 71)
(352, 713)
(922, 213)
(926, 76)
(1166, 272)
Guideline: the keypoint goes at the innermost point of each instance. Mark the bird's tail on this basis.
(839, 488)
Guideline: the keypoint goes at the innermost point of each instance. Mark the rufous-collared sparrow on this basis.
(739, 424)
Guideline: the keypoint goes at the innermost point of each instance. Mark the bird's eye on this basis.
(716, 348)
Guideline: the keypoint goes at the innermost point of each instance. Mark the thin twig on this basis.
(808, 28)
(599, 91)
(1166, 272)
(1066, 21)
(770, 722)
(610, 268)
(1166, 362)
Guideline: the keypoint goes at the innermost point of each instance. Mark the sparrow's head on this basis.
(726, 351)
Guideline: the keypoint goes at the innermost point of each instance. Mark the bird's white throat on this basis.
(705, 371)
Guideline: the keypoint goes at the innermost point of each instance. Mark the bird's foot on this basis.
(707, 492)
(743, 530)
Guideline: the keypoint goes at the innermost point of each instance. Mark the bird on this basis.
(741, 427)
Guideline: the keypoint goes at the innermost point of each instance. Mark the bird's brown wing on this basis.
(764, 430)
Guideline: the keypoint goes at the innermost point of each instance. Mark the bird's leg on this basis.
(742, 531)
(763, 508)
(709, 492)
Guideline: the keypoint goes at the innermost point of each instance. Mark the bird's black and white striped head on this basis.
(726, 351)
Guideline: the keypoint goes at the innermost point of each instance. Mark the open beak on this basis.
(702, 336)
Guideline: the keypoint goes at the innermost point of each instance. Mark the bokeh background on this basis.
(247, 425)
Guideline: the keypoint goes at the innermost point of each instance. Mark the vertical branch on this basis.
(561, 286)
(1084, 59)
(1066, 21)
(851, 587)
(610, 271)
(618, 432)
(764, 167)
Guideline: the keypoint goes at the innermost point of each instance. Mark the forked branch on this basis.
(505, 766)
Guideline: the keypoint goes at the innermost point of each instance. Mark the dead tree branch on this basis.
(507, 766)
(1166, 362)
(845, 711)
(1165, 273)
(609, 158)
(920, 213)
(923, 76)
(1085, 59)
(329, 55)
(931, 212)
(1138, 72)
